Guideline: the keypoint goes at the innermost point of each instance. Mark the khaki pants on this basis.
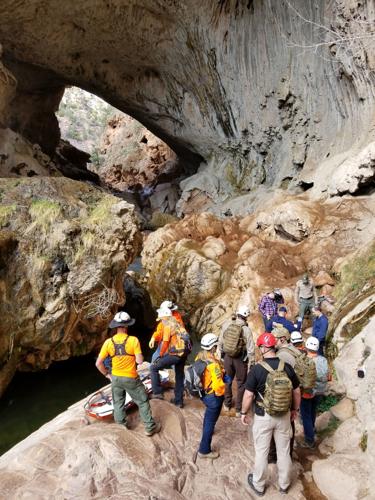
(263, 430)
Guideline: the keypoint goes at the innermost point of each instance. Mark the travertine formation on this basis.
(210, 265)
(259, 91)
(64, 249)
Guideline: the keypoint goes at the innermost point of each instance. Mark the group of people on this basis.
(290, 378)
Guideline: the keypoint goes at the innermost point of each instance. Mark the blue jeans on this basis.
(321, 347)
(213, 408)
(168, 361)
(308, 415)
(156, 354)
(267, 324)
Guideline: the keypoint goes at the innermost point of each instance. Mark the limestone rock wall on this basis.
(262, 91)
(64, 249)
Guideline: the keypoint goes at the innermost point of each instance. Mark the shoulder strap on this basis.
(266, 366)
(124, 344)
(281, 366)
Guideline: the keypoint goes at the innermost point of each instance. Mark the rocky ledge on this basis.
(64, 250)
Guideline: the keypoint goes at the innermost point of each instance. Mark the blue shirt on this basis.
(320, 327)
(283, 321)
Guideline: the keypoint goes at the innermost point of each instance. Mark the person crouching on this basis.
(214, 388)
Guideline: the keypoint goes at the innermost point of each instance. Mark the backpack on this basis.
(233, 341)
(182, 344)
(277, 398)
(305, 369)
(120, 349)
(193, 378)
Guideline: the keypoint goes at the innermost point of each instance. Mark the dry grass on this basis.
(5, 213)
(43, 214)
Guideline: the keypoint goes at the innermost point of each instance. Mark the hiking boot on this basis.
(212, 454)
(238, 414)
(306, 444)
(251, 484)
(157, 396)
(284, 491)
(155, 430)
(173, 402)
(226, 408)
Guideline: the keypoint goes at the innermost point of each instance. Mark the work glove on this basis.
(151, 344)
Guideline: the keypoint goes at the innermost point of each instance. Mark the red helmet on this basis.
(266, 339)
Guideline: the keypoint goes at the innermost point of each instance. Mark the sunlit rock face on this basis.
(64, 249)
(263, 92)
(211, 265)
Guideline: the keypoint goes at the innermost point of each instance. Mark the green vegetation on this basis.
(5, 213)
(356, 273)
(327, 402)
(101, 213)
(331, 428)
(160, 219)
(363, 442)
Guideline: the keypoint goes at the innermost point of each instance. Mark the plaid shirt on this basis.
(268, 306)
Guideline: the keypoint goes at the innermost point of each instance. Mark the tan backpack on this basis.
(277, 398)
(233, 341)
(304, 367)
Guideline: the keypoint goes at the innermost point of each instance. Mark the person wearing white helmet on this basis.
(168, 354)
(311, 399)
(125, 352)
(168, 304)
(237, 345)
(213, 387)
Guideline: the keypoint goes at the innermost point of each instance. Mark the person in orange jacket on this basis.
(157, 336)
(214, 389)
(168, 354)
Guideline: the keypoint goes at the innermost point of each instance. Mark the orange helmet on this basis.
(267, 340)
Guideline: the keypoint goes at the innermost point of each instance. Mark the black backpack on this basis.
(120, 349)
(193, 378)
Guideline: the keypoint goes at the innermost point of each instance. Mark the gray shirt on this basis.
(248, 336)
(305, 290)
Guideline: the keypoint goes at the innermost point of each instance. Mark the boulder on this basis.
(64, 250)
(323, 278)
(213, 247)
(347, 437)
(342, 476)
(343, 410)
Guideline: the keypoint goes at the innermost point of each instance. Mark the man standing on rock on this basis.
(320, 328)
(237, 344)
(274, 387)
(305, 295)
(268, 306)
(126, 353)
(171, 354)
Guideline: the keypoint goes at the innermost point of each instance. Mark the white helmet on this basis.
(312, 344)
(164, 312)
(243, 311)
(168, 304)
(296, 337)
(208, 341)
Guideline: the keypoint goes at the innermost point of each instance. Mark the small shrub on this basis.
(363, 442)
(327, 402)
(160, 219)
(101, 213)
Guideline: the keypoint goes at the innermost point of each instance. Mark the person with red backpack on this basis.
(174, 349)
(126, 353)
(274, 387)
